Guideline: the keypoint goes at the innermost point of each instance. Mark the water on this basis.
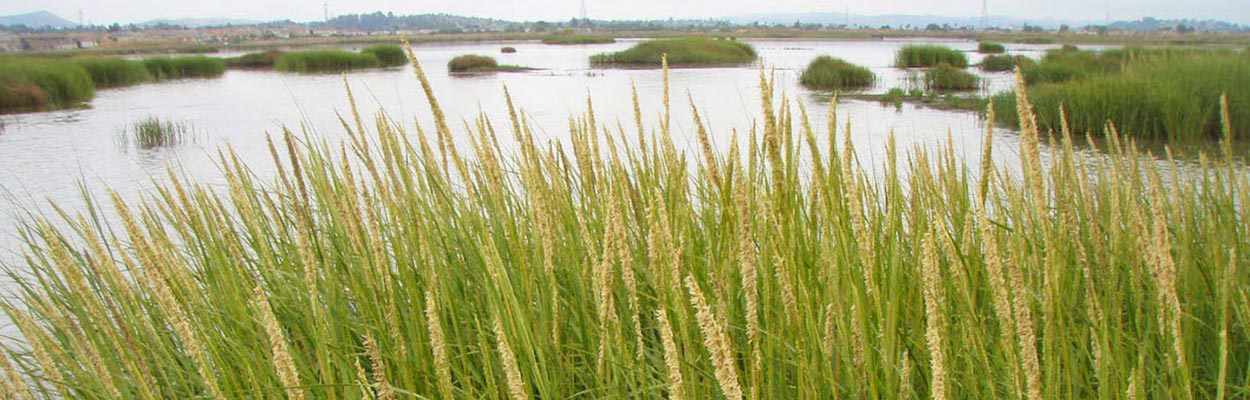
(45, 157)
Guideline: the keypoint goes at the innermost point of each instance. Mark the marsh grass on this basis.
(153, 132)
(945, 77)
(683, 52)
(507, 50)
(1160, 95)
(828, 73)
(42, 84)
(260, 60)
(991, 48)
(577, 38)
(388, 55)
(111, 72)
(616, 265)
(471, 63)
(925, 56)
(165, 68)
(324, 61)
(1003, 63)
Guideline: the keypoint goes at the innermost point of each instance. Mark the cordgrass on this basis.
(164, 68)
(828, 73)
(507, 50)
(1163, 95)
(260, 60)
(619, 267)
(471, 63)
(684, 52)
(111, 72)
(324, 61)
(42, 84)
(153, 132)
(1003, 63)
(991, 48)
(945, 77)
(925, 56)
(388, 55)
(578, 38)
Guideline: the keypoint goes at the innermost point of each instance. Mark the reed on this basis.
(914, 275)
(152, 132)
(388, 55)
(111, 72)
(471, 63)
(565, 38)
(324, 61)
(260, 60)
(945, 77)
(40, 84)
(990, 48)
(507, 50)
(164, 68)
(828, 73)
(1003, 63)
(683, 52)
(925, 56)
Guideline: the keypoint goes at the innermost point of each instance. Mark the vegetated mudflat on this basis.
(944, 77)
(828, 73)
(471, 63)
(924, 56)
(577, 38)
(41, 84)
(683, 52)
(407, 265)
(1167, 94)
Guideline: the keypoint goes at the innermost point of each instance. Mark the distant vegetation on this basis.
(828, 73)
(387, 55)
(261, 60)
(1168, 94)
(153, 132)
(507, 50)
(110, 72)
(476, 63)
(577, 38)
(324, 61)
(924, 56)
(945, 77)
(163, 68)
(684, 52)
(990, 48)
(1001, 63)
(199, 49)
(36, 84)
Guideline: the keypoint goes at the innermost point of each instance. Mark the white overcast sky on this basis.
(124, 11)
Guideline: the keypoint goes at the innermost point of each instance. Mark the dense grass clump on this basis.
(199, 49)
(828, 73)
(684, 52)
(262, 60)
(110, 72)
(39, 84)
(945, 77)
(991, 48)
(162, 68)
(1162, 95)
(408, 266)
(153, 132)
(577, 38)
(924, 56)
(324, 61)
(472, 63)
(507, 50)
(387, 55)
(1002, 63)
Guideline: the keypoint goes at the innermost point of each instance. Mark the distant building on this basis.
(48, 43)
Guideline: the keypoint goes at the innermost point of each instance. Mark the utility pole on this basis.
(325, 8)
(585, 22)
(81, 21)
(985, 15)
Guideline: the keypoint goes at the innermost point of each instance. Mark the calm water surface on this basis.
(45, 157)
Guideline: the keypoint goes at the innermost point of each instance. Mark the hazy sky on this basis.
(107, 11)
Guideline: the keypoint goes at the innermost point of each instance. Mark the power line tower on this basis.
(985, 15)
(585, 22)
(325, 8)
(81, 21)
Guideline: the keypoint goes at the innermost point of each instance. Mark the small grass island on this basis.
(683, 52)
(563, 38)
(828, 73)
(472, 63)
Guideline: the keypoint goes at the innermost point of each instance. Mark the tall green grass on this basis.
(261, 60)
(828, 73)
(945, 77)
(1163, 96)
(324, 61)
(618, 266)
(684, 52)
(924, 56)
(163, 68)
(387, 55)
(472, 63)
(41, 84)
(154, 132)
(991, 48)
(1002, 63)
(577, 38)
(111, 72)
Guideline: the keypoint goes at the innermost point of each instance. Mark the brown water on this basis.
(44, 157)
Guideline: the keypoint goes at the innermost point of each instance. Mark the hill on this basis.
(37, 19)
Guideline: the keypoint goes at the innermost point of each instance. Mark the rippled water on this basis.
(46, 156)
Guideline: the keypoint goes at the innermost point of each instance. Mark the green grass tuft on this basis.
(684, 52)
(507, 50)
(324, 61)
(945, 77)
(828, 73)
(111, 72)
(40, 84)
(991, 48)
(163, 68)
(924, 56)
(387, 55)
(152, 132)
(1002, 63)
